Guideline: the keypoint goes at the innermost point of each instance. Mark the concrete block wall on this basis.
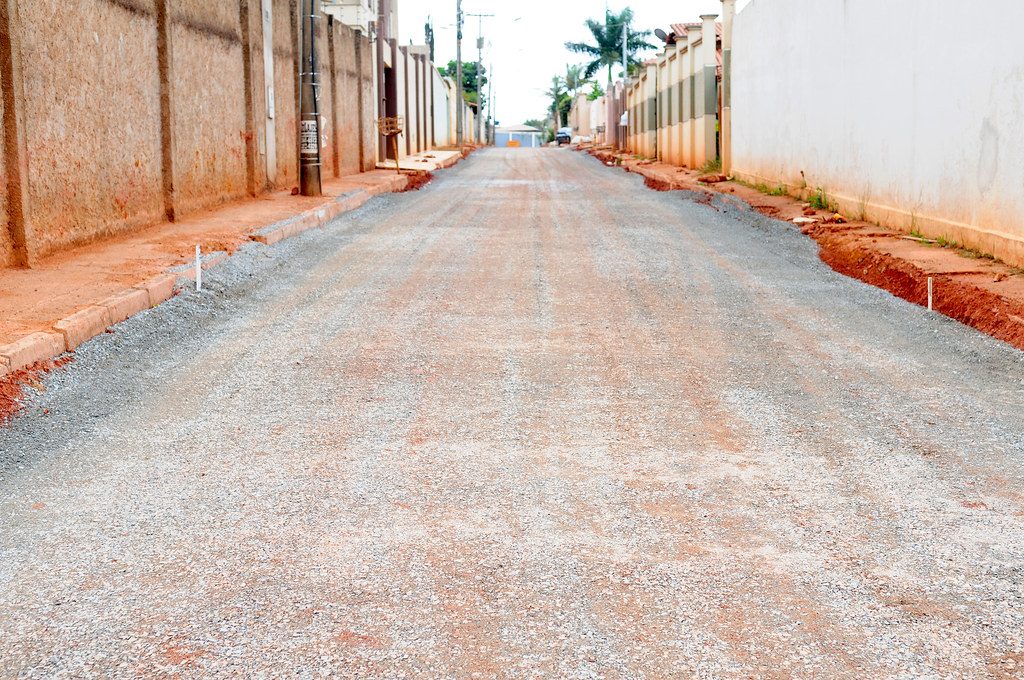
(285, 35)
(674, 103)
(642, 100)
(579, 116)
(441, 113)
(910, 122)
(469, 119)
(326, 101)
(208, 104)
(99, 71)
(349, 93)
(599, 119)
(131, 112)
(427, 102)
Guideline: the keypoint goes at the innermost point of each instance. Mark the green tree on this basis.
(543, 126)
(468, 79)
(606, 48)
(596, 92)
(574, 80)
(559, 99)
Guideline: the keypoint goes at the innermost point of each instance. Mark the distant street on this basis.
(531, 420)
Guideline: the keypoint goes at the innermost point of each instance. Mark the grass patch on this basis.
(712, 167)
(962, 250)
(780, 190)
(819, 200)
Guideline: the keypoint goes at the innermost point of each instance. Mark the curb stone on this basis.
(317, 217)
(293, 226)
(32, 348)
(188, 270)
(84, 325)
(159, 288)
(74, 330)
(126, 304)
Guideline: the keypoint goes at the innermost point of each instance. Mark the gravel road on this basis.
(532, 420)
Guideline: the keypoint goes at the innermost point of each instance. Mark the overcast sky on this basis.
(526, 53)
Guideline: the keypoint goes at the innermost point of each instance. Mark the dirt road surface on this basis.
(532, 420)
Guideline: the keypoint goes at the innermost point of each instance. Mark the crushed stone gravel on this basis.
(532, 420)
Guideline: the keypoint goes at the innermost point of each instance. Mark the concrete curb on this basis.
(83, 325)
(126, 304)
(74, 330)
(187, 271)
(317, 217)
(159, 289)
(30, 349)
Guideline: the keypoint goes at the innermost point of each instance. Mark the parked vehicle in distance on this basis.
(564, 136)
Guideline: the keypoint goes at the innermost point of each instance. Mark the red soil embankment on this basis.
(977, 291)
(955, 295)
(416, 180)
(12, 385)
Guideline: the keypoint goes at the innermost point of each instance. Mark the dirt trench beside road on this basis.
(530, 420)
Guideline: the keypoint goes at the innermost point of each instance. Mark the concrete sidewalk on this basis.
(70, 297)
(427, 161)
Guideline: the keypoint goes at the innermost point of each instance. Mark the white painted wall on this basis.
(911, 111)
(441, 110)
(599, 118)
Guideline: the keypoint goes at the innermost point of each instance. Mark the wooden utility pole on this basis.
(309, 104)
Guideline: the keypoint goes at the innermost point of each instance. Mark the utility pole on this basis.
(309, 105)
(490, 102)
(429, 30)
(479, 67)
(460, 101)
(479, 94)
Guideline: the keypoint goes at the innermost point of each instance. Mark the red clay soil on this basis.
(953, 294)
(417, 179)
(12, 385)
(657, 184)
(985, 294)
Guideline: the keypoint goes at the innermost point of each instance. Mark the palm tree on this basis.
(557, 95)
(607, 47)
(574, 80)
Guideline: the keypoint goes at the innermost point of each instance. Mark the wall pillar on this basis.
(15, 161)
(693, 36)
(728, 14)
(651, 95)
(332, 77)
(360, 100)
(403, 56)
(252, 182)
(662, 122)
(294, 23)
(165, 57)
(709, 49)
